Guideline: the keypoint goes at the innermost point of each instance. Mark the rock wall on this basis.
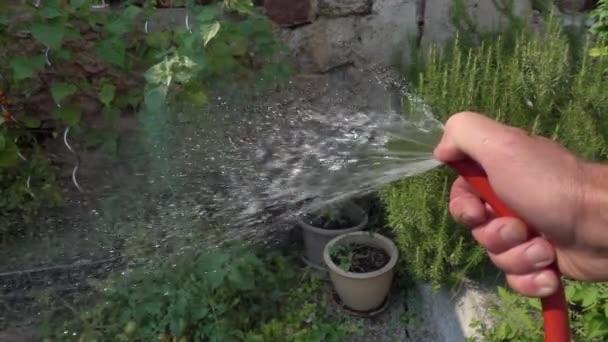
(325, 34)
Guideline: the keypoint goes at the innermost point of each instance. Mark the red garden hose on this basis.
(555, 307)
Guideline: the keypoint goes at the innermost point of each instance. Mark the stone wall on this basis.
(325, 34)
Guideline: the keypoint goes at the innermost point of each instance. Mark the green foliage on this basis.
(226, 43)
(436, 248)
(234, 293)
(304, 318)
(342, 255)
(25, 191)
(518, 318)
(600, 28)
(600, 15)
(532, 82)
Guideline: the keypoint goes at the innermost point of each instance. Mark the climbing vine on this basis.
(73, 64)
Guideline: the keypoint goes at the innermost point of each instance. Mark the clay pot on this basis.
(315, 238)
(362, 292)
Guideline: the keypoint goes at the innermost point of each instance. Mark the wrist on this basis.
(592, 223)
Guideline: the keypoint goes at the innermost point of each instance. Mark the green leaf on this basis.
(121, 24)
(131, 12)
(597, 52)
(207, 14)
(107, 93)
(24, 67)
(239, 45)
(117, 25)
(9, 156)
(241, 279)
(30, 122)
(2, 142)
(66, 55)
(216, 278)
(598, 327)
(111, 114)
(196, 97)
(589, 296)
(76, 4)
(201, 313)
(159, 73)
(242, 6)
(50, 34)
(72, 34)
(209, 31)
(113, 51)
(61, 90)
(70, 115)
(606, 310)
(49, 11)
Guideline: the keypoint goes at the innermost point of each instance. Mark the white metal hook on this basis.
(27, 184)
(101, 5)
(188, 24)
(75, 170)
(21, 156)
(46, 56)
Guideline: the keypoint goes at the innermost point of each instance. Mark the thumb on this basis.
(475, 136)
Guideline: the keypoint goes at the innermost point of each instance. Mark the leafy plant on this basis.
(600, 28)
(27, 184)
(359, 258)
(305, 318)
(342, 255)
(600, 15)
(331, 217)
(514, 317)
(235, 293)
(24, 192)
(72, 54)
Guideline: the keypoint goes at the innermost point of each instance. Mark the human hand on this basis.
(563, 197)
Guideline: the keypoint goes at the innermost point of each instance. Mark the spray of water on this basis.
(279, 162)
(244, 169)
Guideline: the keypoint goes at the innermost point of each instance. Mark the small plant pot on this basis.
(362, 292)
(315, 237)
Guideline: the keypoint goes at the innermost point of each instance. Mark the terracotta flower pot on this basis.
(363, 292)
(315, 237)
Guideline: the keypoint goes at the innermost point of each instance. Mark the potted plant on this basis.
(361, 267)
(320, 226)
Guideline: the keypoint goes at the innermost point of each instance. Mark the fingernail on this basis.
(545, 285)
(511, 235)
(538, 255)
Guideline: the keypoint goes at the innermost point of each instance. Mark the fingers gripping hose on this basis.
(555, 307)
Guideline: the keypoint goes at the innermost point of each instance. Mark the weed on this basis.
(234, 293)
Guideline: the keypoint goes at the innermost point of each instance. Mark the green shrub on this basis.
(529, 80)
(24, 192)
(519, 318)
(234, 293)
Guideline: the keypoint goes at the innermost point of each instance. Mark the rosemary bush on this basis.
(528, 80)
